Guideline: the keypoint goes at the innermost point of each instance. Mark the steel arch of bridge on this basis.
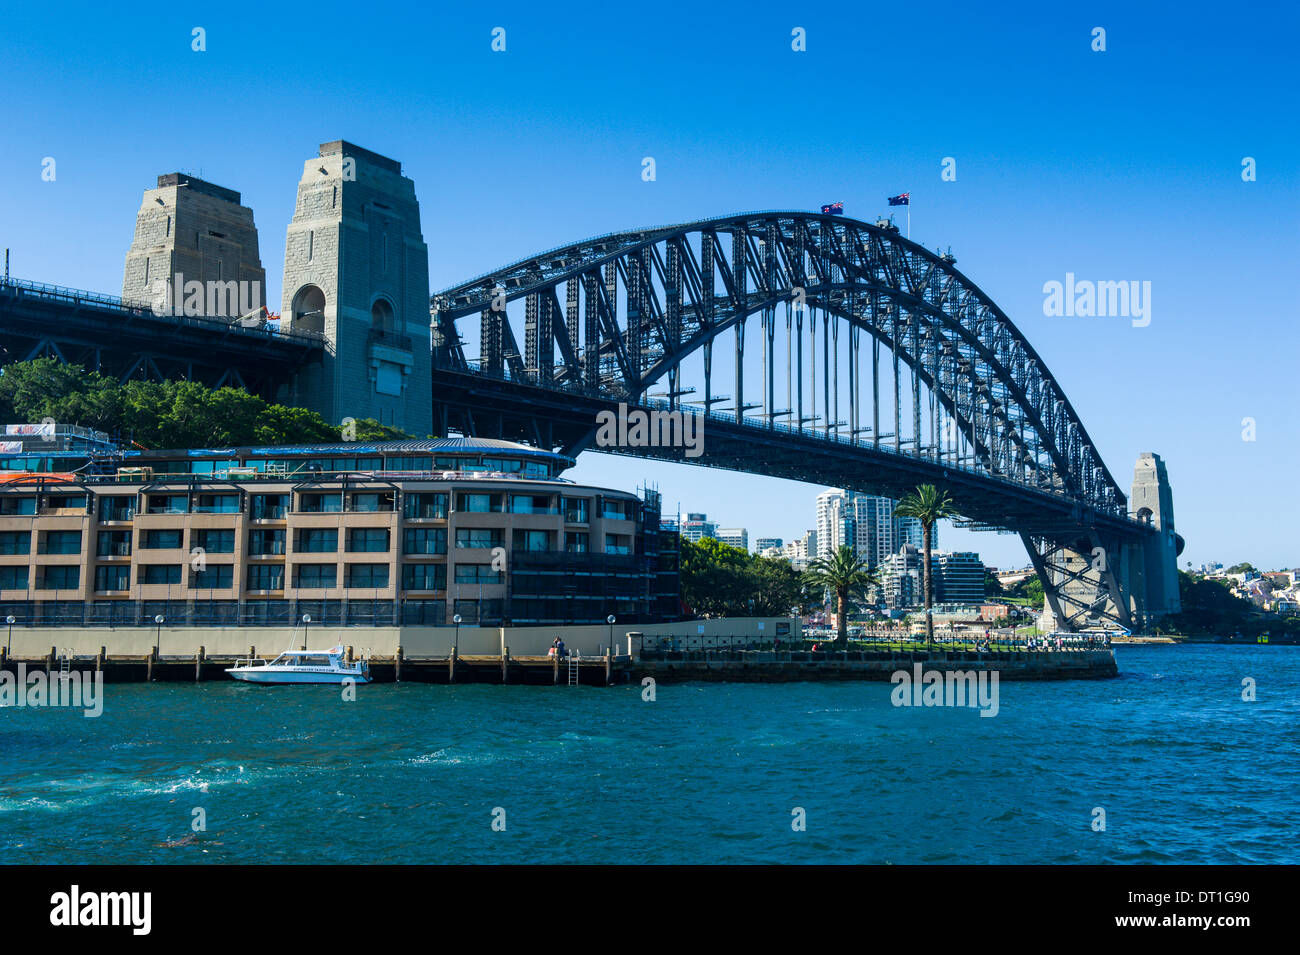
(607, 318)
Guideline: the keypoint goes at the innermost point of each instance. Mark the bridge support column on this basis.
(1085, 583)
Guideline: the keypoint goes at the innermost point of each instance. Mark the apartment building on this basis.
(412, 532)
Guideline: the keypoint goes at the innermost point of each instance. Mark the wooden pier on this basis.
(740, 666)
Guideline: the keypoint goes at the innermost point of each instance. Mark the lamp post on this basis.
(9, 646)
(306, 619)
(157, 638)
(456, 650)
(610, 620)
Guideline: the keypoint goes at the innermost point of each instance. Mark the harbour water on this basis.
(1184, 769)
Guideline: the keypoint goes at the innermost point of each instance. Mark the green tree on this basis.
(719, 580)
(776, 586)
(368, 429)
(928, 505)
(844, 573)
(1032, 588)
(157, 415)
(713, 580)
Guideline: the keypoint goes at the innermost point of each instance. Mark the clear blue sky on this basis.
(1117, 165)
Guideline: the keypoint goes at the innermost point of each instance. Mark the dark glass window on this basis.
(368, 539)
(424, 540)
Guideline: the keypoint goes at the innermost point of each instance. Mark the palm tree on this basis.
(928, 506)
(847, 574)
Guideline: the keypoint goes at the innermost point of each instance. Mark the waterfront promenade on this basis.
(472, 662)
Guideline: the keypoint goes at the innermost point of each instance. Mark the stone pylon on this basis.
(356, 270)
(200, 235)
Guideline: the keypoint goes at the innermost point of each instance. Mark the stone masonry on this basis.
(188, 226)
(356, 269)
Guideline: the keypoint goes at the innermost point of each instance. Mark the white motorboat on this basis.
(302, 666)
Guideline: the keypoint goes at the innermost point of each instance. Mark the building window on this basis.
(617, 544)
(113, 577)
(485, 613)
(477, 574)
(424, 576)
(13, 578)
(268, 507)
(168, 504)
(213, 577)
(215, 541)
(62, 542)
(479, 503)
(424, 613)
(17, 505)
(617, 510)
(371, 502)
(367, 575)
(320, 503)
(481, 538)
(315, 576)
(264, 542)
(160, 539)
(531, 504)
(217, 504)
(266, 577)
(368, 539)
(114, 544)
(158, 574)
(15, 542)
(317, 540)
(117, 507)
(577, 542)
(531, 540)
(424, 540)
(425, 506)
(65, 502)
(577, 510)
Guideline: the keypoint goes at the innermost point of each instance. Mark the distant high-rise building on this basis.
(961, 578)
(735, 536)
(698, 526)
(866, 522)
(800, 552)
(901, 577)
(767, 543)
(956, 578)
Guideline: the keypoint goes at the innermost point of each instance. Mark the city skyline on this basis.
(1033, 201)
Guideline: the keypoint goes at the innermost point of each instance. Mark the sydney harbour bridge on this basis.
(880, 367)
(806, 346)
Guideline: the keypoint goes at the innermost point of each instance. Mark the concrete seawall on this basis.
(500, 665)
(866, 665)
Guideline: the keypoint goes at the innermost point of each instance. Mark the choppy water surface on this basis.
(1184, 769)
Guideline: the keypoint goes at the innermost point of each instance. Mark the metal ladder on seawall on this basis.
(65, 664)
(573, 668)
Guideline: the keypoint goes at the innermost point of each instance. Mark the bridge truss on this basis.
(878, 365)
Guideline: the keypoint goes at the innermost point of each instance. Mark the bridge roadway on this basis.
(105, 334)
(490, 406)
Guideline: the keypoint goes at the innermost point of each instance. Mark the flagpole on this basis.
(909, 217)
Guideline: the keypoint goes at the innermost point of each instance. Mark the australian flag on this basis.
(904, 200)
(833, 209)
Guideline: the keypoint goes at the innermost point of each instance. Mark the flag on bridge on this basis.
(833, 209)
(904, 200)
